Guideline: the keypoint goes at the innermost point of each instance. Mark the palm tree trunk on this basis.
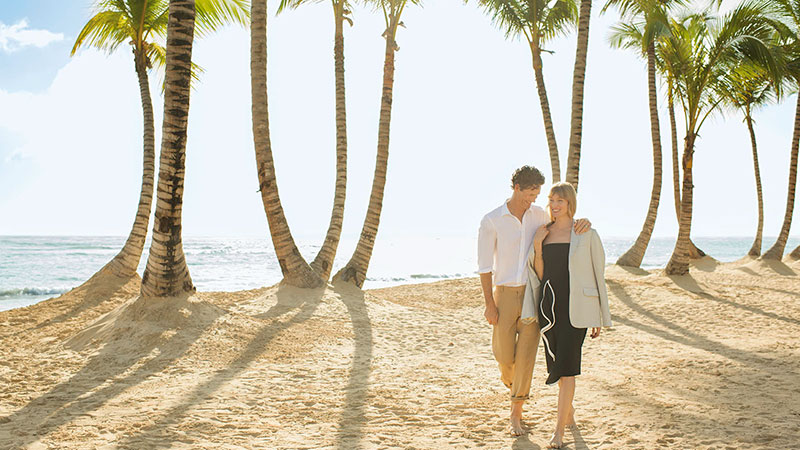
(127, 260)
(294, 268)
(755, 250)
(166, 274)
(323, 263)
(679, 262)
(633, 257)
(536, 52)
(676, 173)
(776, 251)
(578, 76)
(355, 271)
(694, 252)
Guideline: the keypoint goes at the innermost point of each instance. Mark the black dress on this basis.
(562, 341)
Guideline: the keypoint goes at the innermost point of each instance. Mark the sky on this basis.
(465, 115)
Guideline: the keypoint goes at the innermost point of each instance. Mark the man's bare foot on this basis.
(557, 441)
(515, 427)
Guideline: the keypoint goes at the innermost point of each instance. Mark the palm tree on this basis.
(355, 271)
(666, 71)
(296, 271)
(578, 76)
(649, 22)
(143, 25)
(790, 17)
(166, 273)
(746, 87)
(700, 49)
(538, 21)
(323, 263)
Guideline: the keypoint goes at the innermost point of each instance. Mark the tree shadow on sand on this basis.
(153, 435)
(685, 336)
(349, 431)
(690, 284)
(105, 376)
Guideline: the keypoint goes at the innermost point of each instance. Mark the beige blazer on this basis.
(588, 298)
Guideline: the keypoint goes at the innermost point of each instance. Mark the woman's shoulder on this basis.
(589, 236)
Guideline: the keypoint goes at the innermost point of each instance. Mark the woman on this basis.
(567, 294)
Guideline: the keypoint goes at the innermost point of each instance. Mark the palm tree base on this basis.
(677, 268)
(350, 274)
(118, 267)
(305, 278)
(630, 259)
(774, 253)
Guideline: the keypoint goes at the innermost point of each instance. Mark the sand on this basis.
(709, 360)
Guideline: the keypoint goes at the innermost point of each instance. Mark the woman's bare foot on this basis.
(515, 427)
(571, 418)
(557, 441)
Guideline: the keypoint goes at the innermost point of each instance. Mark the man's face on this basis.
(528, 195)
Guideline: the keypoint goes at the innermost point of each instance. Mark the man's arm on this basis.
(491, 308)
(487, 243)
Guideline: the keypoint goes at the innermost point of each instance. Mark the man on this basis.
(504, 239)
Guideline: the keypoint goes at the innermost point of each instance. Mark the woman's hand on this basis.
(595, 332)
(538, 238)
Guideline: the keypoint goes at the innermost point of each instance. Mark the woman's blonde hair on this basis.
(567, 192)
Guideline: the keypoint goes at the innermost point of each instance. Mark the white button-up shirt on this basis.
(504, 243)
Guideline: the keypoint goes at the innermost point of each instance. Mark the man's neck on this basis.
(518, 207)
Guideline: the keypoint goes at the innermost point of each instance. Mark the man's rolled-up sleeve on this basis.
(487, 241)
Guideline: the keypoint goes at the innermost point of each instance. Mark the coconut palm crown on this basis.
(143, 25)
(538, 21)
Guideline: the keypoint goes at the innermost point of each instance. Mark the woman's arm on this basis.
(538, 241)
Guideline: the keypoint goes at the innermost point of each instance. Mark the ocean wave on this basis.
(30, 291)
(417, 276)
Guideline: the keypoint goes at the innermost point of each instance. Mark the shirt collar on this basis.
(507, 211)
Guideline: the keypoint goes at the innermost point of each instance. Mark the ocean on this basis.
(34, 268)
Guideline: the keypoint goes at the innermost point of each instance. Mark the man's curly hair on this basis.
(527, 177)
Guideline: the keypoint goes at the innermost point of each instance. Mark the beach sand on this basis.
(710, 360)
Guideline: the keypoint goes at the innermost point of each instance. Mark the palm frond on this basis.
(213, 14)
(106, 30)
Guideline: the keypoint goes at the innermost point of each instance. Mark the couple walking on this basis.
(542, 273)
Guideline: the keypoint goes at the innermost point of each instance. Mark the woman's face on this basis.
(559, 207)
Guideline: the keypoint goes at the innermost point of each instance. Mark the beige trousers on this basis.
(514, 343)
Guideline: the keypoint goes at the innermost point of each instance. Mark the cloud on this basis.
(17, 36)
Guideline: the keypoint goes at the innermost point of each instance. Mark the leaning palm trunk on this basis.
(356, 269)
(323, 263)
(679, 262)
(536, 52)
(127, 260)
(776, 251)
(694, 252)
(755, 250)
(166, 274)
(633, 257)
(578, 77)
(294, 268)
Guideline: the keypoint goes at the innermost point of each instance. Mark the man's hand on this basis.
(491, 314)
(582, 226)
